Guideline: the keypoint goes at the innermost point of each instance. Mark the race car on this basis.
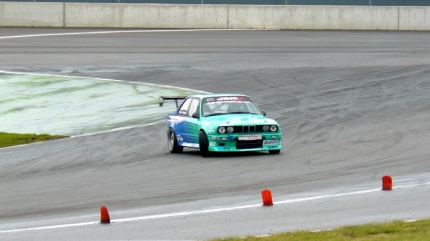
(220, 123)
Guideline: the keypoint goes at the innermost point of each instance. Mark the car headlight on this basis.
(230, 129)
(266, 128)
(221, 129)
(273, 128)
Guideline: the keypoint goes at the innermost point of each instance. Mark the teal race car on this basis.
(221, 123)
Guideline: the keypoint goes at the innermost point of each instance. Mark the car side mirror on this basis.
(195, 115)
(264, 112)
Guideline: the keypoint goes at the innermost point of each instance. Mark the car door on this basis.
(191, 125)
(180, 120)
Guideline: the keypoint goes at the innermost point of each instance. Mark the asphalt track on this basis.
(353, 106)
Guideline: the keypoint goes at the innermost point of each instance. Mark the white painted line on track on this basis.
(122, 31)
(10, 147)
(327, 196)
(215, 210)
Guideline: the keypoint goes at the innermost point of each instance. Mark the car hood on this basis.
(237, 119)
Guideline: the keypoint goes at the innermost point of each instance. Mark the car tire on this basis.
(172, 142)
(274, 151)
(204, 144)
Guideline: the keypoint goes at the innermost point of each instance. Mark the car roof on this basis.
(215, 95)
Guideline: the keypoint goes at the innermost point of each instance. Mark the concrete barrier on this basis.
(146, 16)
(31, 14)
(414, 18)
(104, 15)
(313, 17)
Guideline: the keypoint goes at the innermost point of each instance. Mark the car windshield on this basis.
(229, 105)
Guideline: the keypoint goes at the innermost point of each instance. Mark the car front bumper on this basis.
(241, 143)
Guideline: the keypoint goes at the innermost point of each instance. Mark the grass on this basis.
(392, 231)
(13, 139)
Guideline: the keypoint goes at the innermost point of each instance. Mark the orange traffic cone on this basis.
(387, 183)
(267, 197)
(104, 215)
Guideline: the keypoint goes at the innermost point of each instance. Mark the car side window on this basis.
(184, 108)
(193, 107)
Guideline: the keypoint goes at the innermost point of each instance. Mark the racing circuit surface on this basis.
(353, 106)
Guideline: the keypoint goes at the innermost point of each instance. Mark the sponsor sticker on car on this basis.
(270, 142)
(175, 119)
(249, 137)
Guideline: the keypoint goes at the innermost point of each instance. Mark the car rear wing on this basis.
(175, 98)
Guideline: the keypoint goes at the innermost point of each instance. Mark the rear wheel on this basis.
(172, 142)
(204, 144)
(274, 151)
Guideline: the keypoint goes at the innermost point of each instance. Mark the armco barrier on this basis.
(106, 15)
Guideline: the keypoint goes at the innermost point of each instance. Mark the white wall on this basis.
(414, 18)
(38, 14)
(146, 15)
(313, 17)
(31, 14)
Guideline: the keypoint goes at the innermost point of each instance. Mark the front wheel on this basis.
(172, 142)
(274, 151)
(204, 144)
